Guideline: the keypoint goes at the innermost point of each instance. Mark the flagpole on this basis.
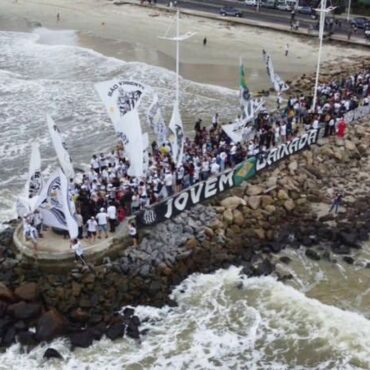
(177, 54)
(321, 36)
(348, 10)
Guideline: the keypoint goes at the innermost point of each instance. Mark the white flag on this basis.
(35, 181)
(60, 147)
(278, 84)
(121, 99)
(145, 153)
(56, 206)
(176, 135)
(156, 121)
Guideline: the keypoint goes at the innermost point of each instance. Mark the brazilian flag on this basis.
(244, 171)
(244, 91)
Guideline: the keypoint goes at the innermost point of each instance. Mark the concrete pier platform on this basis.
(54, 247)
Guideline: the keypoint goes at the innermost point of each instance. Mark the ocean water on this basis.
(46, 72)
(226, 321)
(318, 320)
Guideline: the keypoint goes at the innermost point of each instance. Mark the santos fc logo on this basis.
(149, 217)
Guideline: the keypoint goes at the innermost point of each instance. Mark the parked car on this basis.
(305, 9)
(250, 2)
(285, 7)
(360, 22)
(229, 11)
(268, 4)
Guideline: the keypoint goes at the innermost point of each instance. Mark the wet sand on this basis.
(131, 33)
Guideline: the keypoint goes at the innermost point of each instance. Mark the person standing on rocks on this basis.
(133, 233)
(336, 203)
(78, 250)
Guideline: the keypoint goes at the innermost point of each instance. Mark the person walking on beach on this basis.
(133, 233)
(58, 17)
(205, 41)
(336, 203)
(286, 50)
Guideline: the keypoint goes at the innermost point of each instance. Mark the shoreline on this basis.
(282, 208)
(138, 41)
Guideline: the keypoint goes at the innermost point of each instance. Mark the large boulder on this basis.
(289, 205)
(28, 292)
(6, 294)
(254, 201)
(26, 338)
(349, 145)
(115, 331)
(293, 166)
(24, 311)
(81, 339)
(254, 190)
(232, 202)
(266, 200)
(282, 195)
(51, 325)
(312, 254)
(52, 353)
(228, 216)
(238, 217)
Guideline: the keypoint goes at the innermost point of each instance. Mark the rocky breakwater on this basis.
(285, 206)
(288, 205)
(329, 71)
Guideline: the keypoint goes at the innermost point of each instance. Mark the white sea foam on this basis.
(226, 321)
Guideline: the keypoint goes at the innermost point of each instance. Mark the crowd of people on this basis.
(106, 194)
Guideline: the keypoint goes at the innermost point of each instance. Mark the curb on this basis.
(247, 22)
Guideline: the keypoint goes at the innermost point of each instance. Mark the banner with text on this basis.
(121, 99)
(224, 181)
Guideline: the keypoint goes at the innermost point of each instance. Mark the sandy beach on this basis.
(131, 33)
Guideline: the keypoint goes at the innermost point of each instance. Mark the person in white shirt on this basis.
(180, 172)
(168, 182)
(95, 164)
(112, 217)
(332, 127)
(102, 219)
(80, 224)
(205, 169)
(315, 124)
(37, 221)
(283, 132)
(79, 252)
(133, 233)
(30, 234)
(92, 227)
(215, 168)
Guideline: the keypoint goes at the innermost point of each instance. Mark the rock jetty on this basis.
(285, 206)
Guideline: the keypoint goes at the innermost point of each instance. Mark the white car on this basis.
(284, 7)
(251, 2)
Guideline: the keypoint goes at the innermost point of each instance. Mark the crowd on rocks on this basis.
(106, 194)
